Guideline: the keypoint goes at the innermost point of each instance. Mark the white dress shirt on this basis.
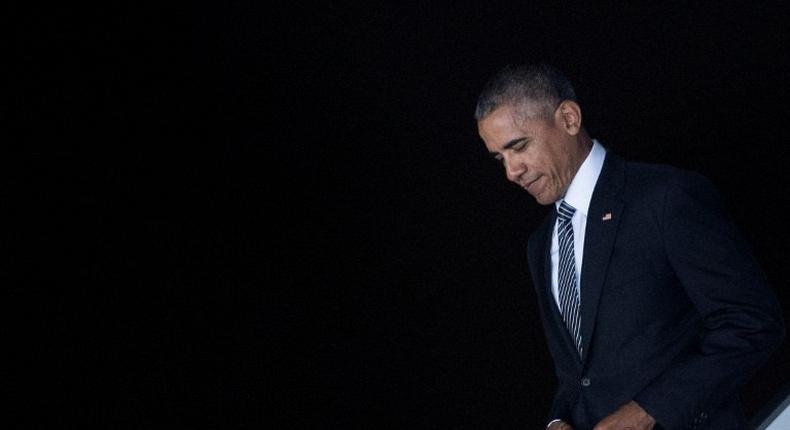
(578, 195)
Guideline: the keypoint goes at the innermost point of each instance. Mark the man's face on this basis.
(537, 153)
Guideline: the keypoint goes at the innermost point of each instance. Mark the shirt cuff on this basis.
(552, 422)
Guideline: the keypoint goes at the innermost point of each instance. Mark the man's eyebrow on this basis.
(509, 145)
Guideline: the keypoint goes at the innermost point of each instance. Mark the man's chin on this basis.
(542, 200)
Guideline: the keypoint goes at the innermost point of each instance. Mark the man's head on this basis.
(529, 120)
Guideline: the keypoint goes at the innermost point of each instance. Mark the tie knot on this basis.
(565, 211)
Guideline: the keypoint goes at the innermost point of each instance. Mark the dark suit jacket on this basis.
(675, 312)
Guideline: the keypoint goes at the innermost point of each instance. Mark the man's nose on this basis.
(513, 169)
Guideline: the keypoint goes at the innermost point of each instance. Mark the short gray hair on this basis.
(521, 86)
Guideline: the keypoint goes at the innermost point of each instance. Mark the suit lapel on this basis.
(603, 218)
(543, 262)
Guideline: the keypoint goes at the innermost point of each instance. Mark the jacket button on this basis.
(585, 382)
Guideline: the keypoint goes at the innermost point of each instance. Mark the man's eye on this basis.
(520, 147)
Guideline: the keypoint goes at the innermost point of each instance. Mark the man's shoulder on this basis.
(642, 176)
(651, 171)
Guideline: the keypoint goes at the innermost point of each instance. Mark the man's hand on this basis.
(630, 416)
(559, 425)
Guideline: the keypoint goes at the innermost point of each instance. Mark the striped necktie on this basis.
(568, 291)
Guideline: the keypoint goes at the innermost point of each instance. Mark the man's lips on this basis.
(526, 185)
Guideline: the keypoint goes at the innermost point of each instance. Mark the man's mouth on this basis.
(527, 185)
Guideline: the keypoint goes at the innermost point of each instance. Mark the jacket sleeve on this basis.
(741, 316)
(560, 406)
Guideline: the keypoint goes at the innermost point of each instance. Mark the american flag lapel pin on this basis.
(606, 217)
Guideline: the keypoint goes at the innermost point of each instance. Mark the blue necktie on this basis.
(566, 275)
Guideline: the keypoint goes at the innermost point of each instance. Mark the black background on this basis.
(234, 215)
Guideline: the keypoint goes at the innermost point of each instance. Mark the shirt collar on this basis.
(581, 189)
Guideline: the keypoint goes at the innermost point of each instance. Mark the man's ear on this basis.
(569, 117)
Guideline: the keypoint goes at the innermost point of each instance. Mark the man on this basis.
(653, 307)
